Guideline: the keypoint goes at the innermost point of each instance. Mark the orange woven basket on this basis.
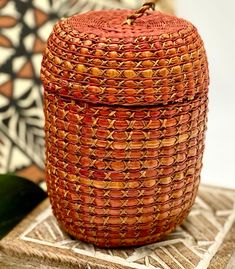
(125, 108)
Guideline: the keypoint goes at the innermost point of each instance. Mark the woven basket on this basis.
(125, 109)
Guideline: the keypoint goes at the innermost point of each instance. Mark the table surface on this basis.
(205, 240)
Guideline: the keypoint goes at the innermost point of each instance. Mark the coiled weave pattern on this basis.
(125, 109)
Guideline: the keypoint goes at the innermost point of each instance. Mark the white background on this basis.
(215, 21)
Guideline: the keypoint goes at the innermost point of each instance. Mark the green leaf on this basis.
(18, 197)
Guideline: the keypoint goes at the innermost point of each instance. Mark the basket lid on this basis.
(94, 57)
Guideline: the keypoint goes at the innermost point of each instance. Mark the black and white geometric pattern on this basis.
(24, 27)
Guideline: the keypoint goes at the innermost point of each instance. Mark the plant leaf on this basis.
(18, 196)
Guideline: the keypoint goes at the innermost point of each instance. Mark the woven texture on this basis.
(125, 109)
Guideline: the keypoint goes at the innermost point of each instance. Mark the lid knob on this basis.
(148, 5)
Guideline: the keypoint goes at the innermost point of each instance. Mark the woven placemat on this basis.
(205, 240)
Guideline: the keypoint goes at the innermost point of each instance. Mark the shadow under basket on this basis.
(126, 108)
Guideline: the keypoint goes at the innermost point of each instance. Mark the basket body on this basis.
(125, 127)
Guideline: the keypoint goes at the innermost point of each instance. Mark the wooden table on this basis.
(205, 240)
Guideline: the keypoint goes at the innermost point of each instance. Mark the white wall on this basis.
(215, 21)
